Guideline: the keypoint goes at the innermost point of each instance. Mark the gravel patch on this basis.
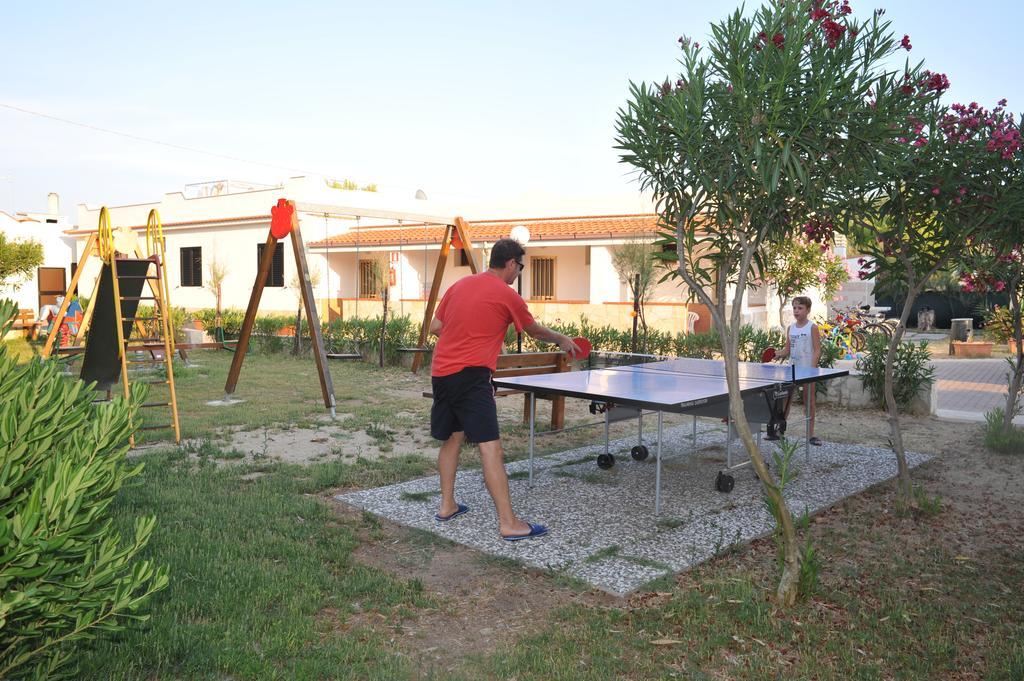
(603, 527)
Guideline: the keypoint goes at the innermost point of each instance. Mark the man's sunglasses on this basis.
(521, 264)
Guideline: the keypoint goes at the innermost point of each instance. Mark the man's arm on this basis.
(541, 332)
(435, 327)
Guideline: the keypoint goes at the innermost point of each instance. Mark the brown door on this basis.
(52, 283)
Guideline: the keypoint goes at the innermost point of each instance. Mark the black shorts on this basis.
(464, 402)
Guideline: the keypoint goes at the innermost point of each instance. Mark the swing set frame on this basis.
(455, 228)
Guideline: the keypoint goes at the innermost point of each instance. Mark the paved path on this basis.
(970, 387)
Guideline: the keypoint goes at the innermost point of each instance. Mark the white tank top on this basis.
(800, 352)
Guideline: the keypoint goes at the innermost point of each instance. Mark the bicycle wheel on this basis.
(878, 328)
(858, 339)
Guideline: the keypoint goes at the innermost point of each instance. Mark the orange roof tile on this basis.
(541, 229)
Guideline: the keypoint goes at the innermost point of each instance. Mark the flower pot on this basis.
(972, 349)
(1011, 347)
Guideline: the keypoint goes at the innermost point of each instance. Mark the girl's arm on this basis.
(815, 344)
(785, 353)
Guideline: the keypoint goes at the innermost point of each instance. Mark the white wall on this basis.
(58, 251)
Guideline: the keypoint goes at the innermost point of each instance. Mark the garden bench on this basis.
(26, 323)
(529, 364)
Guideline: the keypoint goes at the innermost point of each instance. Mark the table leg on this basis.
(657, 471)
(533, 421)
(695, 434)
(640, 427)
(728, 441)
(807, 425)
(606, 422)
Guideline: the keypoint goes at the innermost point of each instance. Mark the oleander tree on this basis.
(952, 186)
(772, 131)
(803, 264)
(996, 263)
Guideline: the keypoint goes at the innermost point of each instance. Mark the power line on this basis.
(170, 145)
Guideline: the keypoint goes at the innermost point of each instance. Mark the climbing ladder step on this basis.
(147, 405)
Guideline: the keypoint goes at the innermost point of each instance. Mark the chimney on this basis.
(53, 203)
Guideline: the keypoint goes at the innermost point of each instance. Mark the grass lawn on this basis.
(271, 579)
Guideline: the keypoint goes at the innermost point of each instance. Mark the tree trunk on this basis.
(217, 316)
(782, 312)
(789, 582)
(904, 486)
(297, 338)
(1017, 374)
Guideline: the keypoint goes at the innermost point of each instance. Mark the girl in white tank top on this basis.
(803, 346)
(801, 349)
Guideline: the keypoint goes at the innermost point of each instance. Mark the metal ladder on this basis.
(157, 337)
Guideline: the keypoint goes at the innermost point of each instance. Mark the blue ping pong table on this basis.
(681, 386)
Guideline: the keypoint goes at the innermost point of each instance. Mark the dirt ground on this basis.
(488, 602)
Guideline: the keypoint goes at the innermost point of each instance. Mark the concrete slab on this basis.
(603, 528)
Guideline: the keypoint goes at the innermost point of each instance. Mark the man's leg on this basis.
(497, 484)
(447, 464)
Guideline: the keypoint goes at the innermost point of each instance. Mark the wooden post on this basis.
(250, 314)
(461, 227)
(383, 323)
(428, 312)
(636, 308)
(312, 318)
(90, 245)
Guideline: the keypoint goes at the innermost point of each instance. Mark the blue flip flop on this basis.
(462, 508)
(536, 530)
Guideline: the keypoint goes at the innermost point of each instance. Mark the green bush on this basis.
(362, 334)
(266, 333)
(999, 324)
(754, 342)
(996, 440)
(178, 317)
(231, 320)
(912, 370)
(831, 350)
(65, 574)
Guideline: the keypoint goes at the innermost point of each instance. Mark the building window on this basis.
(463, 258)
(192, 266)
(369, 273)
(276, 275)
(542, 278)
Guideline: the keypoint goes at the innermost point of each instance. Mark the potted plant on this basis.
(972, 348)
(999, 325)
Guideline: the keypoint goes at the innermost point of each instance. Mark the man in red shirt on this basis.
(470, 324)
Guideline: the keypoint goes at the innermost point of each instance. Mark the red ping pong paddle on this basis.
(584, 345)
(768, 355)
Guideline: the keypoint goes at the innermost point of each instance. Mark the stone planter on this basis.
(1011, 347)
(972, 349)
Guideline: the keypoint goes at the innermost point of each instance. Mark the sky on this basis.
(507, 102)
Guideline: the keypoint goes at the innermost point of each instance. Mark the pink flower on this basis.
(935, 191)
(779, 40)
(905, 43)
(1000, 285)
(1002, 102)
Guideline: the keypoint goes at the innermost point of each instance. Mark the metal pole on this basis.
(657, 471)
(694, 433)
(519, 335)
(533, 420)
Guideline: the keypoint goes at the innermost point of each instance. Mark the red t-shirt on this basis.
(475, 313)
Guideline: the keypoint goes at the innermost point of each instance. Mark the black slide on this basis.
(102, 362)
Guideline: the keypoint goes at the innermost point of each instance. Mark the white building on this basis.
(51, 278)
(569, 270)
